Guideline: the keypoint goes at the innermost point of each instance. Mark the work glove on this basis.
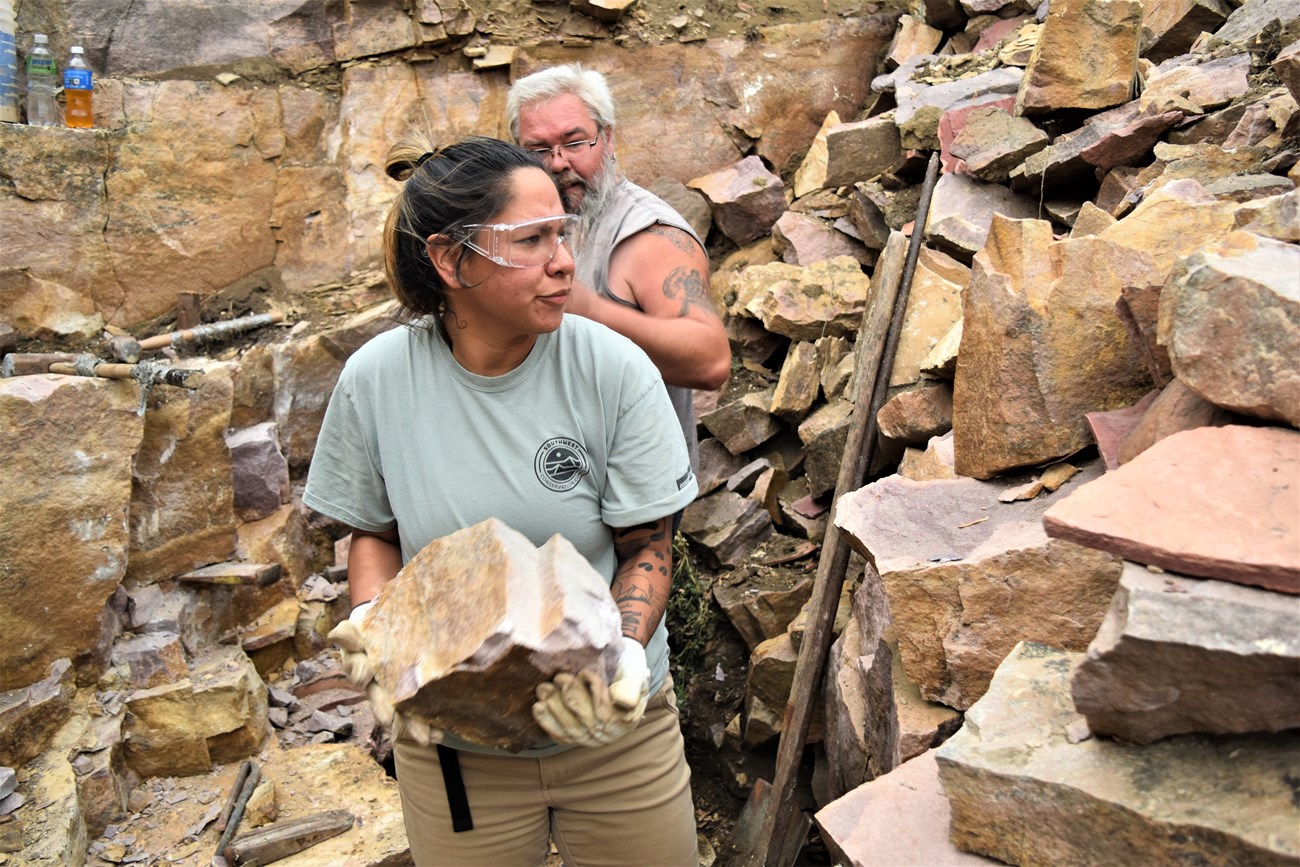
(580, 709)
(358, 668)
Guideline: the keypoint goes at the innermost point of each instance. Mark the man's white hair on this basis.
(586, 84)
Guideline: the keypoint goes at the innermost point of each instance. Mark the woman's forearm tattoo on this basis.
(641, 584)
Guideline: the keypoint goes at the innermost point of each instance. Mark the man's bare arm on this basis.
(666, 274)
(643, 577)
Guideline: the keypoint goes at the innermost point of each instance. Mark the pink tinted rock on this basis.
(900, 818)
(746, 199)
(1177, 408)
(1213, 502)
(954, 120)
(1109, 428)
(993, 34)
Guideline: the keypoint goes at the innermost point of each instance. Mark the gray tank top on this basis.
(632, 209)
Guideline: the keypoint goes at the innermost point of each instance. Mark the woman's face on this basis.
(504, 303)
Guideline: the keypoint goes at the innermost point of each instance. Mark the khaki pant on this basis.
(628, 803)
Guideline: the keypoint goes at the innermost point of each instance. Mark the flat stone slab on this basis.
(1212, 502)
(1177, 655)
(1028, 786)
(234, 573)
(898, 819)
(968, 576)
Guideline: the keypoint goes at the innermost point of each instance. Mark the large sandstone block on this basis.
(1177, 655)
(963, 209)
(746, 199)
(1085, 57)
(1171, 223)
(63, 518)
(1169, 27)
(806, 303)
(1231, 319)
(1028, 786)
(933, 310)
(968, 577)
(477, 619)
(216, 715)
(861, 150)
(862, 725)
(305, 371)
(1041, 347)
(1212, 502)
(182, 497)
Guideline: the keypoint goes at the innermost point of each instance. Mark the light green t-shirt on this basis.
(580, 438)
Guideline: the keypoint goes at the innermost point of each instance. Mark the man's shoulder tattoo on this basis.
(680, 239)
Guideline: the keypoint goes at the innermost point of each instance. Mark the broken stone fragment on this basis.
(31, 715)
(992, 142)
(806, 303)
(1169, 27)
(727, 526)
(1207, 85)
(746, 199)
(476, 620)
(1176, 408)
(967, 577)
(1230, 316)
(1024, 792)
(915, 416)
(1177, 655)
(802, 239)
(1110, 427)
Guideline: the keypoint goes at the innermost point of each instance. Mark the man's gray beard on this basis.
(600, 189)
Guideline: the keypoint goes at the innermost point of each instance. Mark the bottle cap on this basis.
(77, 49)
(40, 39)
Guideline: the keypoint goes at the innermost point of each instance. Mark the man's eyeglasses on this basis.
(569, 148)
(529, 244)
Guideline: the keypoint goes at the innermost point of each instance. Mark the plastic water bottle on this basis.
(8, 63)
(42, 83)
(78, 85)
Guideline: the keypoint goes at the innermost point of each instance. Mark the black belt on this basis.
(452, 781)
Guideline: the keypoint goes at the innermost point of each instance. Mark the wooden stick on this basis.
(858, 452)
(240, 776)
(240, 804)
(283, 839)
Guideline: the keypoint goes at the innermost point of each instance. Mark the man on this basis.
(642, 269)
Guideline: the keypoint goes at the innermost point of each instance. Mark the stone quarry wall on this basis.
(1104, 309)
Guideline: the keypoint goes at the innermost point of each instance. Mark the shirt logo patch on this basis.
(560, 464)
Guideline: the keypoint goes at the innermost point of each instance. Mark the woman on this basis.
(490, 402)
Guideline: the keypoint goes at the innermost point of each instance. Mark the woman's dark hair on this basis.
(444, 189)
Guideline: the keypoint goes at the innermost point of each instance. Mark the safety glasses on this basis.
(529, 244)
